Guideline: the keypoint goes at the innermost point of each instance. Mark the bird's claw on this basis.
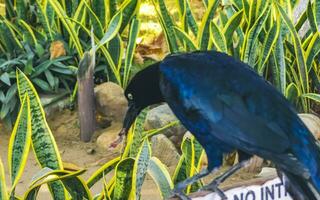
(213, 186)
(178, 192)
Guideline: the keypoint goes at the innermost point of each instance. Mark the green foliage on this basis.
(260, 33)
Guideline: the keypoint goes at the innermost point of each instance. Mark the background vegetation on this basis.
(42, 42)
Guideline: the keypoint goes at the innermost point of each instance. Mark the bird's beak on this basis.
(132, 113)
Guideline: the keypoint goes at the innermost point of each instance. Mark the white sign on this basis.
(270, 190)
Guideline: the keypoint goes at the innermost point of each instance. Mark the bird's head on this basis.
(143, 90)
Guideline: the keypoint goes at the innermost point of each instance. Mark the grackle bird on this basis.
(227, 106)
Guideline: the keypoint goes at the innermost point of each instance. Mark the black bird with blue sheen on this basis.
(228, 107)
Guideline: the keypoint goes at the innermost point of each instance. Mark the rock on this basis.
(107, 136)
(90, 151)
(159, 117)
(164, 150)
(312, 122)
(254, 166)
(110, 101)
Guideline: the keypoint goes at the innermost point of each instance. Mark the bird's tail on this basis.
(299, 187)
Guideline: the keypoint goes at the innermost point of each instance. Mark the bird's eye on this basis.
(130, 97)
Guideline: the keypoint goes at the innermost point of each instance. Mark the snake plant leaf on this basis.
(28, 32)
(67, 25)
(160, 175)
(20, 141)
(292, 93)
(3, 186)
(269, 41)
(129, 9)
(138, 135)
(312, 18)
(99, 7)
(131, 46)
(299, 53)
(140, 169)
(313, 50)
(95, 22)
(43, 143)
(232, 24)
(218, 38)
(44, 19)
(167, 25)
(203, 36)
(252, 37)
(184, 37)
(313, 96)
(71, 180)
(112, 30)
(123, 182)
(105, 169)
(317, 11)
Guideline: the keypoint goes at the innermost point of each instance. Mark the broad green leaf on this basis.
(5, 78)
(44, 20)
(112, 30)
(204, 30)
(43, 143)
(140, 169)
(292, 93)
(105, 169)
(28, 32)
(99, 7)
(279, 59)
(123, 182)
(19, 143)
(160, 175)
(218, 38)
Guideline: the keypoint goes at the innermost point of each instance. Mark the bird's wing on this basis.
(242, 108)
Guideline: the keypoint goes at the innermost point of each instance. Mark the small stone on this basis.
(161, 116)
(90, 151)
(108, 136)
(164, 149)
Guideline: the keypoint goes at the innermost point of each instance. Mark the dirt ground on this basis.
(76, 154)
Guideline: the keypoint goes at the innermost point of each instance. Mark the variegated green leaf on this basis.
(160, 175)
(43, 143)
(20, 142)
(3, 186)
(123, 182)
(129, 9)
(218, 38)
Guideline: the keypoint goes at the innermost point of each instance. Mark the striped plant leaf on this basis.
(140, 169)
(292, 93)
(131, 46)
(105, 169)
(112, 30)
(160, 175)
(3, 186)
(312, 17)
(317, 11)
(279, 58)
(123, 181)
(218, 38)
(251, 39)
(299, 54)
(138, 135)
(313, 96)
(167, 25)
(269, 41)
(28, 33)
(43, 143)
(44, 19)
(67, 25)
(232, 24)
(71, 180)
(99, 7)
(19, 143)
(129, 9)
(95, 22)
(203, 36)
(184, 37)
(313, 50)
